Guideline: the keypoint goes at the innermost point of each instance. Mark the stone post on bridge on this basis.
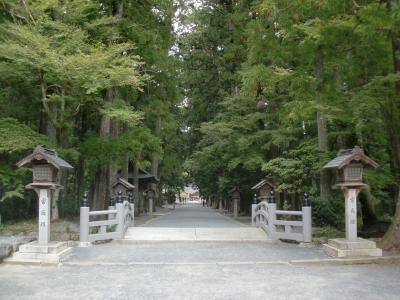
(253, 211)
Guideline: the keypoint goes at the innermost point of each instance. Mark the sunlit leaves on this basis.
(16, 137)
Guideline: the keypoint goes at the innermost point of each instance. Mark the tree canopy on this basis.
(220, 93)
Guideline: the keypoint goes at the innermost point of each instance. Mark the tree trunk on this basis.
(155, 162)
(322, 126)
(139, 203)
(101, 186)
(391, 239)
(367, 208)
(49, 115)
(125, 160)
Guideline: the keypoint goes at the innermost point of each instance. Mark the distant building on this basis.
(191, 194)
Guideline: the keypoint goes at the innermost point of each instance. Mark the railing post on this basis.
(111, 206)
(132, 206)
(120, 215)
(84, 222)
(307, 219)
(272, 214)
(253, 211)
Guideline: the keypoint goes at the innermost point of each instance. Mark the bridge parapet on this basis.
(117, 218)
(276, 224)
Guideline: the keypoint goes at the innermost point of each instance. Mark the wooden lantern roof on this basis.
(40, 155)
(124, 183)
(235, 189)
(263, 183)
(345, 157)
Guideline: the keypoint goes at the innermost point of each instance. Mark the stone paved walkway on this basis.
(222, 281)
(193, 216)
(197, 270)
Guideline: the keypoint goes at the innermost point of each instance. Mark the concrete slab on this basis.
(231, 234)
(351, 248)
(160, 234)
(193, 216)
(33, 252)
(195, 234)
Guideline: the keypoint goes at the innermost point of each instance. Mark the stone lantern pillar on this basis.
(45, 164)
(349, 165)
(149, 194)
(235, 194)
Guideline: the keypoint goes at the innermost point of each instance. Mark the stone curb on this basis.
(304, 263)
(395, 259)
(133, 242)
(31, 263)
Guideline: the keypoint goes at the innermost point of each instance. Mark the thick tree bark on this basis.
(155, 163)
(138, 201)
(391, 240)
(322, 126)
(367, 208)
(125, 160)
(47, 127)
(101, 188)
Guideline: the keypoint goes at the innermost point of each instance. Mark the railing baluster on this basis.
(307, 219)
(265, 215)
(84, 221)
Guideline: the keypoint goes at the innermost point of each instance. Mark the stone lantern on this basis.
(264, 188)
(150, 194)
(235, 194)
(349, 165)
(46, 165)
(124, 186)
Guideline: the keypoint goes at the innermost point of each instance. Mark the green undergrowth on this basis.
(61, 230)
(327, 232)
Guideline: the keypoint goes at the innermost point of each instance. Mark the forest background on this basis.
(217, 93)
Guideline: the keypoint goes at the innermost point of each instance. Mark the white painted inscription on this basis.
(351, 214)
(44, 217)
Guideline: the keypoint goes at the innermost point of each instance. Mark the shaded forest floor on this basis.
(61, 230)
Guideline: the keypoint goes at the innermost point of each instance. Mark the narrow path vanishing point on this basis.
(193, 216)
(192, 222)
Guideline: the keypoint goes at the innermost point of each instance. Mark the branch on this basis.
(27, 11)
(356, 5)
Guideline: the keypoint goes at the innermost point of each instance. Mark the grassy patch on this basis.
(61, 230)
(327, 232)
(20, 227)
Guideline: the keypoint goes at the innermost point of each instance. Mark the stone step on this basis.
(195, 234)
(344, 244)
(51, 248)
(335, 252)
(30, 257)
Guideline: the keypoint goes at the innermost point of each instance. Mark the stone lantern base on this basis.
(51, 253)
(351, 248)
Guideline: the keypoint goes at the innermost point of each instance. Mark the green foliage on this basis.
(14, 181)
(120, 111)
(296, 169)
(16, 137)
(97, 79)
(275, 66)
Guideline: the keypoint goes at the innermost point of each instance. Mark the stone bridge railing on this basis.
(277, 223)
(116, 220)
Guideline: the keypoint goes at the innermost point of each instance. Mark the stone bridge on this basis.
(194, 252)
